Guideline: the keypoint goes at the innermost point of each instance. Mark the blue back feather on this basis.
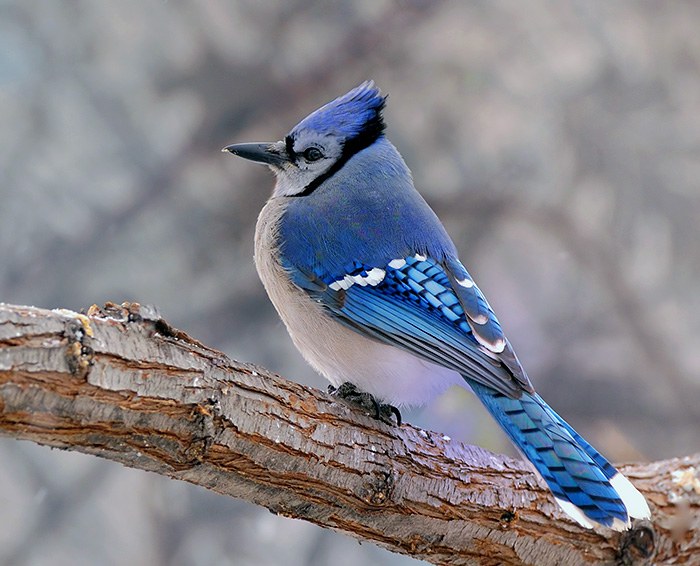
(377, 225)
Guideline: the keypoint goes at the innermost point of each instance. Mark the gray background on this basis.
(559, 142)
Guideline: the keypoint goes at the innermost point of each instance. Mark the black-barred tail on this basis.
(586, 486)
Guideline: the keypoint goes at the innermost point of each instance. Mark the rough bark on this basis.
(121, 384)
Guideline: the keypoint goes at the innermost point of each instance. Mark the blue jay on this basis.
(372, 293)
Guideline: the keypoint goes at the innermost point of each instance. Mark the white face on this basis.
(312, 155)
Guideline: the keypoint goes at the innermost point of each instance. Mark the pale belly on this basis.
(338, 353)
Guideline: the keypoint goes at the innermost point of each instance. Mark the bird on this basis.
(372, 292)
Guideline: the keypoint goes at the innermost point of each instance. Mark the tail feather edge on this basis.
(585, 485)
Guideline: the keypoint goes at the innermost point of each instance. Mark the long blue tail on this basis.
(584, 483)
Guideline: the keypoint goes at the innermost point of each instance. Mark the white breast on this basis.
(336, 352)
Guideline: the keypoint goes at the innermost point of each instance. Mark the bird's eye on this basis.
(312, 154)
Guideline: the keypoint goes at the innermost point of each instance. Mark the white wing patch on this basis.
(497, 346)
(397, 263)
(373, 278)
(466, 283)
(344, 283)
(478, 318)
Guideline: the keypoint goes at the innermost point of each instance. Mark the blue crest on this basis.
(357, 114)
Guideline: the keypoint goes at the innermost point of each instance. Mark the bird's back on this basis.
(369, 211)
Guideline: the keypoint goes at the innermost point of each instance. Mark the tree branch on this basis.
(122, 384)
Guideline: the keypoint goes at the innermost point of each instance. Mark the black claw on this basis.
(396, 413)
(377, 408)
(381, 411)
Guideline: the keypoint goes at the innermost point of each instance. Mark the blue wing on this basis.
(432, 310)
(436, 312)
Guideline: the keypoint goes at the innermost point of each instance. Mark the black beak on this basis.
(267, 153)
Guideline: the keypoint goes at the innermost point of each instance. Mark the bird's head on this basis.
(319, 145)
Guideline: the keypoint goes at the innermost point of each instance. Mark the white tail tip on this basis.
(637, 506)
(634, 501)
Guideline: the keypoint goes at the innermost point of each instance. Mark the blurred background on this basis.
(558, 141)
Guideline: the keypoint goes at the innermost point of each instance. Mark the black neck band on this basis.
(348, 152)
(370, 133)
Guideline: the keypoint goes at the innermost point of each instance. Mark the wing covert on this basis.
(432, 310)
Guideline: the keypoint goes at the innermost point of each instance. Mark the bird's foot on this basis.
(380, 411)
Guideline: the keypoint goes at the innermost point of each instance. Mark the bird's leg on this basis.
(380, 411)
